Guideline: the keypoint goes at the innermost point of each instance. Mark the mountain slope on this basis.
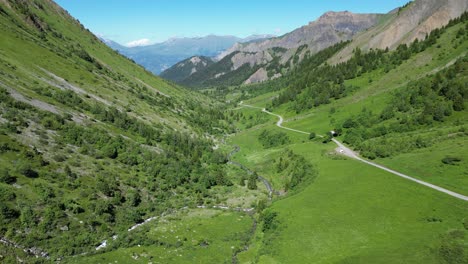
(402, 26)
(186, 68)
(262, 60)
(90, 143)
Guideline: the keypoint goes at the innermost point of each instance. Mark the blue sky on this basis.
(153, 21)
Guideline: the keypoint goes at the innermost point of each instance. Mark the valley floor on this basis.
(353, 212)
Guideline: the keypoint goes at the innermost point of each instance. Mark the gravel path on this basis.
(342, 149)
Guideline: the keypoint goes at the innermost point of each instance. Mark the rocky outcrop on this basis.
(329, 29)
(289, 49)
(251, 58)
(259, 76)
(404, 25)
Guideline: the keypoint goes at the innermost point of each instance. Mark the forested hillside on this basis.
(91, 143)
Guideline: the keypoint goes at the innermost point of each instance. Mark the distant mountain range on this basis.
(257, 61)
(161, 56)
(271, 58)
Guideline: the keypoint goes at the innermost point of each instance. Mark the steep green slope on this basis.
(91, 143)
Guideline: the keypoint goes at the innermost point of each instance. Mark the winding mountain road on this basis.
(349, 153)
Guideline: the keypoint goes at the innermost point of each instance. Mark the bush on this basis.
(252, 182)
(270, 221)
(452, 253)
(7, 212)
(273, 139)
(327, 138)
(26, 170)
(451, 160)
(5, 177)
(60, 157)
(242, 181)
(6, 194)
(312, 135)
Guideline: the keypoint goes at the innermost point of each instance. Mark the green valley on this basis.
(339, 159)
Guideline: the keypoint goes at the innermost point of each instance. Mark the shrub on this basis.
(5, 177)
(270, 221)
(451, 160)
(6, 194)
(7, 212)
(312, 135)
(452, 253)
(252, 182)
(26, 170)
(273, 139)
(59, 157)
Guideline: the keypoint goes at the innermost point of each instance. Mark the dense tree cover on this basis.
(184, 69)
(222, 75)
(270, 138)
(418, 105)
(298, 170)
(126, 182)
(247, 119)
(97, 170)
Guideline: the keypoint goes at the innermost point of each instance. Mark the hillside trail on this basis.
(343, 150)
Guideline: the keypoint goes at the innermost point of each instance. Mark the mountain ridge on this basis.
(266, 59)
(272, 58)
(405, 24)
(184, 69)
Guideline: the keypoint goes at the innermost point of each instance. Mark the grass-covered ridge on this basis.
(91, 143)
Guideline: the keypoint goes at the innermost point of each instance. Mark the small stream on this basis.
(260, 178)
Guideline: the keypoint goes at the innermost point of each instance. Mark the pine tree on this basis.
(252, 183)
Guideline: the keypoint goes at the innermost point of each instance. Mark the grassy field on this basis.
(192, 236)
(355, 213)
(374, 95)
(451, 176)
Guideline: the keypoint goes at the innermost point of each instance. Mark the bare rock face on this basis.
(259, 76)
(405, 25)
(252, 58)
(329, 29)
